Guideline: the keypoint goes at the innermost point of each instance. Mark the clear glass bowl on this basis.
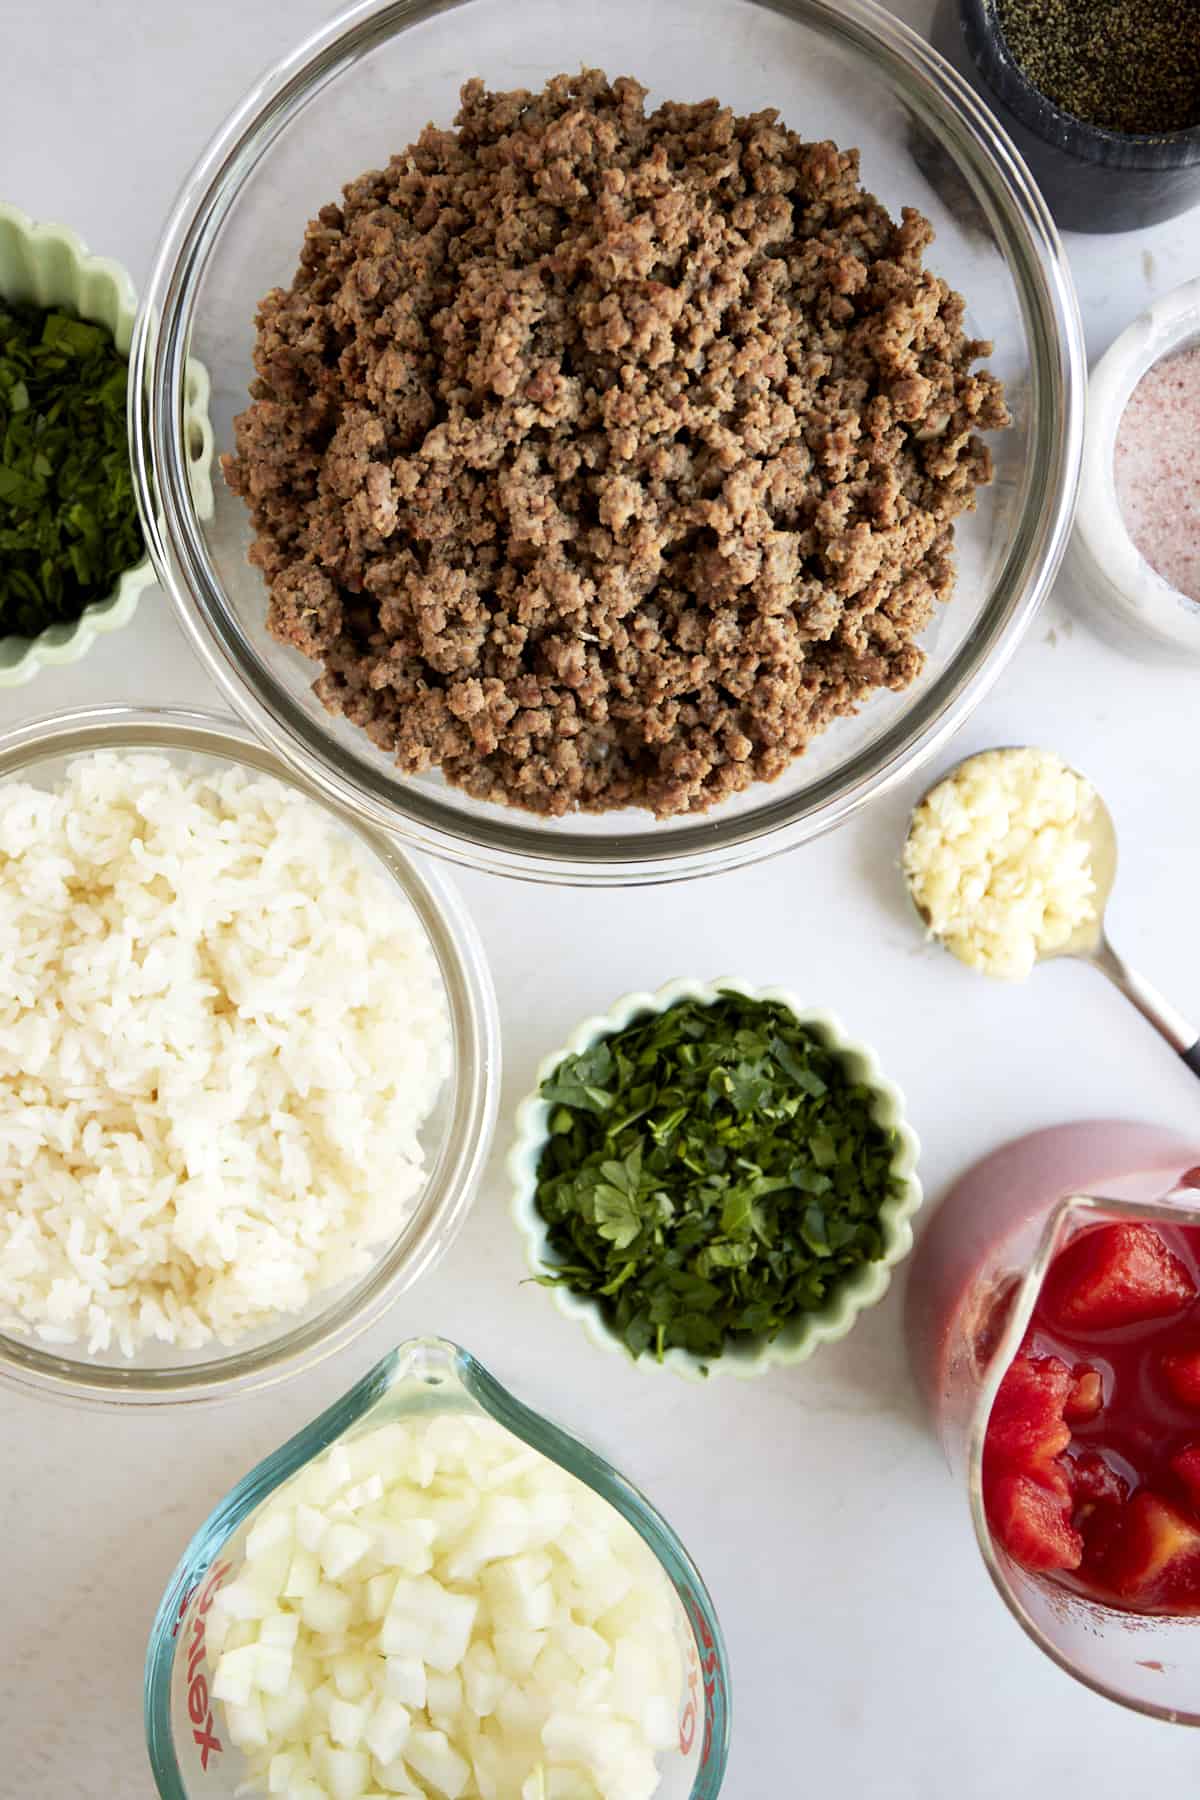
(188, 1755)
(363, 87)
(455, 1137)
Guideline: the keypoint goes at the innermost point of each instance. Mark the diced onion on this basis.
(435, 1611)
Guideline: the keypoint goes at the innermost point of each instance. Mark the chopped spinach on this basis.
(711, 1172)
(68, 519)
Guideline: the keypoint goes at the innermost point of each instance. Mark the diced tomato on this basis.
(1026, 1430)
(1033, 1523)
(1154, 1557)
(1115, 1275)
(1181, 1372)
(1093, 1481)
(1099, 1496)
(1186, 1464)
(1086, 1396)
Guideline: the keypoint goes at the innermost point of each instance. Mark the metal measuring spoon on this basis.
(1090, 943)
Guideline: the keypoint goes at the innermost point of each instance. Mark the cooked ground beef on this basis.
(603, 459)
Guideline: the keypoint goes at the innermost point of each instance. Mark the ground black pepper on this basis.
(1130, 65)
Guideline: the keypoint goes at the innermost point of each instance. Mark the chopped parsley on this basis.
(711, 1172)
(68, 519)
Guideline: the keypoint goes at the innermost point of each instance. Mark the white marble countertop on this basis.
(870, 1655)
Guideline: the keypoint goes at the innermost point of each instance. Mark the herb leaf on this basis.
(711, 1173)
(68, 520)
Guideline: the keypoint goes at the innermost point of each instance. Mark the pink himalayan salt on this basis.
(1156, 465)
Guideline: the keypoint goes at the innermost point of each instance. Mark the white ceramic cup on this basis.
(1105, 572)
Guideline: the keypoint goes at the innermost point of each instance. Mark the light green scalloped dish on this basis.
(798, 1340)
(48, 265)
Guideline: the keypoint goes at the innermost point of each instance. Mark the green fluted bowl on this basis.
(48, 266)
(860, 1288)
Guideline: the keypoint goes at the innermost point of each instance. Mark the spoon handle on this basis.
(1183, 1038)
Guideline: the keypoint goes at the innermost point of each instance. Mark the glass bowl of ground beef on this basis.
(620, 483)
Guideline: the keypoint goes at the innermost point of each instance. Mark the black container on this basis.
(1093, 179)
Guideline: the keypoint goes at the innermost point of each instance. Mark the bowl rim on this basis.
(473, 1085)
(494, 838)
(70, 640)
(797, 1342)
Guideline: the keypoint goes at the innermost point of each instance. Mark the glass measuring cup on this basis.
(190, 1754)
(976, 1278)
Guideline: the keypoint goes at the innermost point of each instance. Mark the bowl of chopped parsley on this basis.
(714, 1178)
(72, 558)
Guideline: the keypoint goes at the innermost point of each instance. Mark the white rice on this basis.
(221, 1029)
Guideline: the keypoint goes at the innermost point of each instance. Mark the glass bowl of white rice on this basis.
(249, 1062)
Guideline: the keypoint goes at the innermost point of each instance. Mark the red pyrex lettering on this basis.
(711, 1671)
(199, 1710)
(687, 1724)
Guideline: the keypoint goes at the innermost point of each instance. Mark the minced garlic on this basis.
(999, 861)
